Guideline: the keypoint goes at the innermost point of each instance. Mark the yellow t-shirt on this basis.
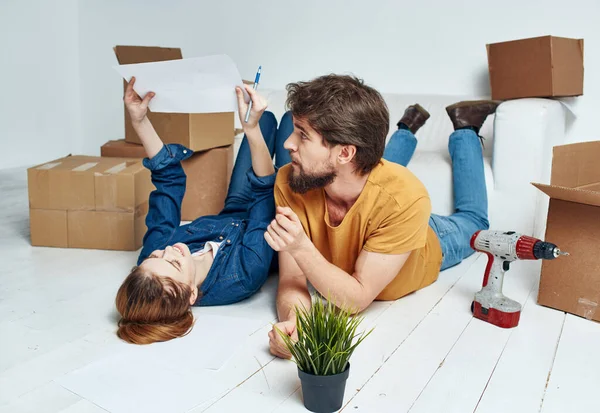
(391, 216)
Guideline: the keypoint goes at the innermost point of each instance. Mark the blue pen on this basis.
(256, 79)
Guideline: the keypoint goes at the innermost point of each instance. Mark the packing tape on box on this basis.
(84, 167)
(49, 165)
(116, 169)
(587, 308)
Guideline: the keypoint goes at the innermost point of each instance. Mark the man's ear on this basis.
(194, 295)
(346, 154)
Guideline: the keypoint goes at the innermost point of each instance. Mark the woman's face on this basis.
(175, 261)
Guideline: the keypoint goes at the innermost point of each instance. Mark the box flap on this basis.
(127, 55)
(580, 196)
(576, 165)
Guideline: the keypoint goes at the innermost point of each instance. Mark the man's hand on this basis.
(285, 232)
(276, 344)
(136, 106)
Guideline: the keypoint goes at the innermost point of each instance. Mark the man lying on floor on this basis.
(358, 227)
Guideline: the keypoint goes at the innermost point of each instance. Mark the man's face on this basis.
(313, 163)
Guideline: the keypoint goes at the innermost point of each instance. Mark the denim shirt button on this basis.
(233, 223)
(185, 151)
(229, 241)
(221, 237)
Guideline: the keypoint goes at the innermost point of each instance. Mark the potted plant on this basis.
(327, 338)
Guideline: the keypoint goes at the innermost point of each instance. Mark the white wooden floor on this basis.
(427, 353)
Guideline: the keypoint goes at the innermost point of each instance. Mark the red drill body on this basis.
(502, 248)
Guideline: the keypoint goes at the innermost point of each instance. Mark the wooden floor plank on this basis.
(575, 378)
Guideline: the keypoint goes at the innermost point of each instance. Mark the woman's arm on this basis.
(164, 162)
(262, 163)
(138, 108)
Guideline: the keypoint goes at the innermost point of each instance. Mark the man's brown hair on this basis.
(344, 111)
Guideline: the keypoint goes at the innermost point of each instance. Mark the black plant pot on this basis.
(323, 394)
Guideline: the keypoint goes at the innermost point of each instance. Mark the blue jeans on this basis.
(239, 187)
(470, 194)
(242, 265)
(240, 190)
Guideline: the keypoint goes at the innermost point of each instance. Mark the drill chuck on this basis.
(547, 251)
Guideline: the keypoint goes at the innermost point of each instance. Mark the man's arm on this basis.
(293, 289)
(292, 293)
(372, 271)
(301, 261)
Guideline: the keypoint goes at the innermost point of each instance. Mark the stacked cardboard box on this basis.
(89, 202)
(210, 135)
(208, 174)
(197, 131)
(102, 202)
(552, 66)
(545, 66)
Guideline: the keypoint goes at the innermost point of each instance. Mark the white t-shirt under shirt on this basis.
(210, 245)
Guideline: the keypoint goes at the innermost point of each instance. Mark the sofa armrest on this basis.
(525, 131)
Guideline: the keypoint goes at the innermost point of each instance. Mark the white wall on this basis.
(397, 46)
(39, 80)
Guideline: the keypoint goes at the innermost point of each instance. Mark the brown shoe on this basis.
(471, 113)
(414, 117)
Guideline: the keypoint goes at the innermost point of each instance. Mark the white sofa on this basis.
(518, 148)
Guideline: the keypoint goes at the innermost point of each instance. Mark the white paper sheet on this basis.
(212, 341)
(197, 85)
(119, 385)
(135, 378)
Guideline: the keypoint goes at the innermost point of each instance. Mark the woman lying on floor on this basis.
(213, 260)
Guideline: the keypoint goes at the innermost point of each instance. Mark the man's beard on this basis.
(303, 182)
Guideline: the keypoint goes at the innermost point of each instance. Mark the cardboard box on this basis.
(208, 174)
(89, 202)
(197, 131)
(537, 67)
(572, 283)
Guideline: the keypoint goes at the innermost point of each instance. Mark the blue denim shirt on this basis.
(241, 265)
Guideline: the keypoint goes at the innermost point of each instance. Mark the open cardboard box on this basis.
(196, 131)
(572, 283)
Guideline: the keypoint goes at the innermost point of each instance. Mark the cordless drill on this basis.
(502, 248)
